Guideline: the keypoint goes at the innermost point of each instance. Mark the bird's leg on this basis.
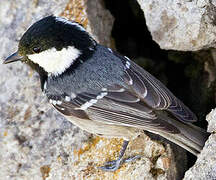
(114, 165)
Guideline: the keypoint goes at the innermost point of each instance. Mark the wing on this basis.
(114, 105)
(154, 93)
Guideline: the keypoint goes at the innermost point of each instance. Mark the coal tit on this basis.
(101, 91)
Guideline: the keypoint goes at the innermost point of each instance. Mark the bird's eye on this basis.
(36, 49)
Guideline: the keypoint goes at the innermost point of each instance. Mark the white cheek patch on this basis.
(55, 62)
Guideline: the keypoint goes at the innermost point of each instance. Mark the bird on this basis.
(101, 91)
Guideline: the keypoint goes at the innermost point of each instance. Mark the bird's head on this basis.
(53, 44)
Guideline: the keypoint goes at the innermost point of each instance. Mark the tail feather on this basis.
(191, 137)
(187, 141)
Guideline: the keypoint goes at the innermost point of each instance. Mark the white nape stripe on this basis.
(63, 20)
(55, 62)
(88, 104)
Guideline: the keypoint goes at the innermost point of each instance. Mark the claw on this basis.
(114, 165)
(131, 159)
(111, 165)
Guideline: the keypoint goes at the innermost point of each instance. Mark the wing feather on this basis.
(157, 95)
(119, 108)
(126, 119)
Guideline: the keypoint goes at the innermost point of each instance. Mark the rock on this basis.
(205, 166)
(156, 162)
(181, 25)
(211, 118)
(38, 143)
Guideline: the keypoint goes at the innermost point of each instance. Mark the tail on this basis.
(191, 137)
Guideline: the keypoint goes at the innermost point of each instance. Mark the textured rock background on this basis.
(181, 25)
(38, 143)
(205, 166)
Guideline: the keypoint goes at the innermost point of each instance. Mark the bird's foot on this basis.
(114, 165)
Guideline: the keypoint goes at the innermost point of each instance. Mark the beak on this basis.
(12, 58)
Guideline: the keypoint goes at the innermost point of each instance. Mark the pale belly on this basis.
(105, 130)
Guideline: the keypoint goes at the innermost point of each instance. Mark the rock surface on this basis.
(181, 25)
(211, 118)
(38, 143)
(83, 163)
(205, 166)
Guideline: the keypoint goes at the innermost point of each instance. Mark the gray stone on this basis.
(205, 166)
(181, 25)
(211, 118)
